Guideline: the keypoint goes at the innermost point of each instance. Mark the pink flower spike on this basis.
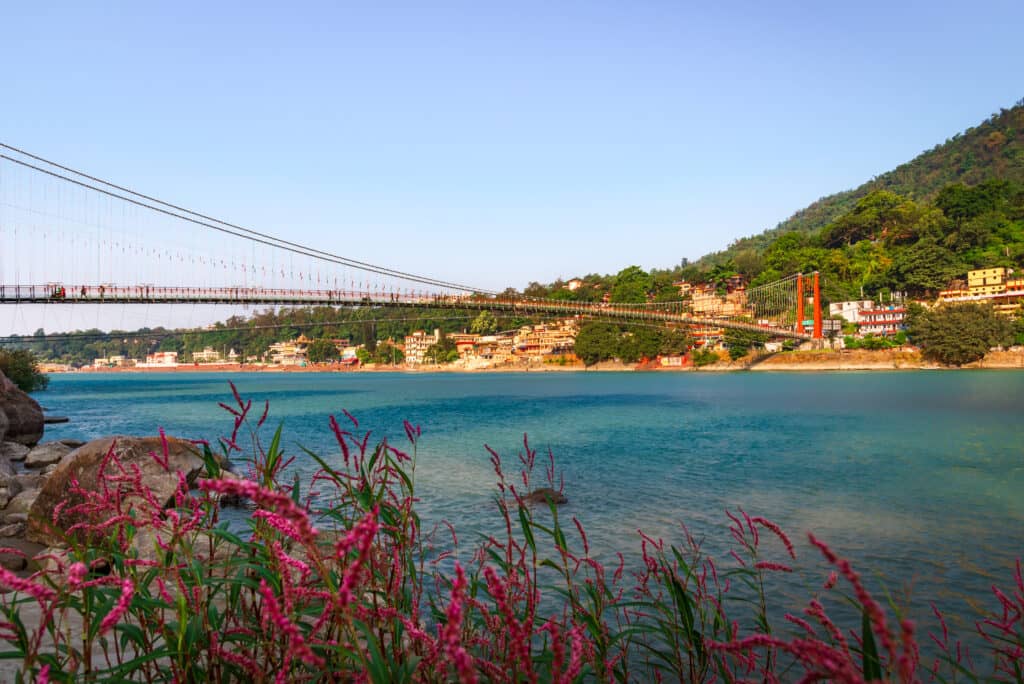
(44, 675)
(768, 565)
(120, 608)
(777, 531)
(38, 592)
(76, 574)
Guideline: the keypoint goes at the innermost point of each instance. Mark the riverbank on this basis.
(802, 361)
(865, 360)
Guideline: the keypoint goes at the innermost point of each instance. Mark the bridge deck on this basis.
(111, 294)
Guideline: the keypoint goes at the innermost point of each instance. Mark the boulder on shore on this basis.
(23, 415)
(84, 464)
(46, 454)
(12, 451)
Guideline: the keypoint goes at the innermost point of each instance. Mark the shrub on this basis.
(22, 368)
(703, 357)
(338, 577)
(955, 334)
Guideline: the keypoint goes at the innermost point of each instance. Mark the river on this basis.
(918, 477)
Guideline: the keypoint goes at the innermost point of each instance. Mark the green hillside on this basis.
(993, 149)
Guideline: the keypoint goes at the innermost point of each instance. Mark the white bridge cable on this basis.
(212, 223)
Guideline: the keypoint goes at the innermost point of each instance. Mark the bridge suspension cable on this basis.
(210, 222)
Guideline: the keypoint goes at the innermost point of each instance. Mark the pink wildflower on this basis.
(361, 538)
(12, 581)
(76, 574)
(874, 611)
(451, 632)
(777, 531)
(120, 608)
(768, 565)
(268, 499)
(44, 675)
(296, 643)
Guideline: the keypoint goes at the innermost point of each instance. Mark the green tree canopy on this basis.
(21, 368)
(597, 341)
(322, 350)
(740, 342)
(484, 324)
(925, 266)
(956, 334)
(631, 285)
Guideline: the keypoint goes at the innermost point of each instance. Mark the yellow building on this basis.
(989, 286)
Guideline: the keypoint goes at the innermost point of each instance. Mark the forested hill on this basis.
(993, 149)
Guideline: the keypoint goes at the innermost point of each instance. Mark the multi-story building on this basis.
(164, 359)
(465, 344)
(883, 321)
(538, 340)
(705, 301)
(208, 355)
(851, 311)
(290, 353)
(494, 348)
(989, 285)
(417, 344)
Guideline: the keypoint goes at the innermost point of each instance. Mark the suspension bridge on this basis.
(71, 238)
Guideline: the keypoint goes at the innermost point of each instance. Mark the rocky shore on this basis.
(38, 515)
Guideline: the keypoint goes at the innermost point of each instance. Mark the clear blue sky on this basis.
(501, 143)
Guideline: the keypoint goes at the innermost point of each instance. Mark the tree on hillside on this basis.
(322, 350)
(21, 368)
(597, 341)
(925, 266)
(674, 342)
(484, 324)
(961, 203)
(631, 285)
(956, 334)
(639, 343)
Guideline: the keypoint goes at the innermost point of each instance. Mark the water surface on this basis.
(916, 476)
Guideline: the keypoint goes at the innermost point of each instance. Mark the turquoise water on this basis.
(918, 477)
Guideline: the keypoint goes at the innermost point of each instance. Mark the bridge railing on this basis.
(112, 293)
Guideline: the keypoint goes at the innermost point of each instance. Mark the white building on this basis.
(853, 311)
(208, 355)
(165, 359)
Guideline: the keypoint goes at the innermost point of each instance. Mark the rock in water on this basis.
(84, 464)
(545, 495)
(23, 415)
(46, 454)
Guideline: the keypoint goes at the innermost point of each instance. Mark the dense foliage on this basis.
(250, 337)
(740, 342)
(322, 350)
(993, 149)
(21, 367)
(600, 341)
(956, 334)
(338, 577)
